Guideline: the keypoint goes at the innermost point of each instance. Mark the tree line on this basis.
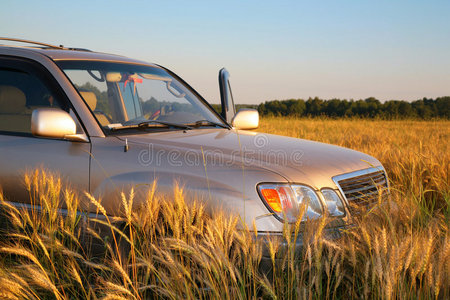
(368, 108)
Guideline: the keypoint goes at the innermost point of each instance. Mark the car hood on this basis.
(297, 160)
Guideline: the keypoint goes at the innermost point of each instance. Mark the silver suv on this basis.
(108, 123)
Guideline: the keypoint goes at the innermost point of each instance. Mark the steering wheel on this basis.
(163, 110)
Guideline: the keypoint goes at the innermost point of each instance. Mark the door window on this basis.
(22, 91)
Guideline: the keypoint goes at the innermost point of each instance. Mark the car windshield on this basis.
(122, 95)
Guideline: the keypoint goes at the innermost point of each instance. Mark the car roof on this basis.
(58, 54)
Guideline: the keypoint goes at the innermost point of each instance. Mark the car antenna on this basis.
(125, 148)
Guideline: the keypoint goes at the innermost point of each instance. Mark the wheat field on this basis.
(175, 250)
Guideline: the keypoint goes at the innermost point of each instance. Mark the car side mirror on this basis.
(245, 119)
(55, 123)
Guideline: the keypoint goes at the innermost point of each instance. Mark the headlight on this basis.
(284, 200)
(306, 195)
(333, 202)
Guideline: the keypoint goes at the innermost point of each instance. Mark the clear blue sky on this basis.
(273, 49)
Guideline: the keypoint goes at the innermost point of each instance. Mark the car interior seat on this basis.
(91, 101)
(14, 115)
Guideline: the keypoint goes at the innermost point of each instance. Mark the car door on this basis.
(24, 86)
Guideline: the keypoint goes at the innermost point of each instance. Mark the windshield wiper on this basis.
(153, 124)
(206, 123)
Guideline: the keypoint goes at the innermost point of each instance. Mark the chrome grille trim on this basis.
(361, 187)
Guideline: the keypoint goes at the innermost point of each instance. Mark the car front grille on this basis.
(362, 188)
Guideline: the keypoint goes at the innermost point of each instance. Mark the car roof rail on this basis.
(61, 47)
